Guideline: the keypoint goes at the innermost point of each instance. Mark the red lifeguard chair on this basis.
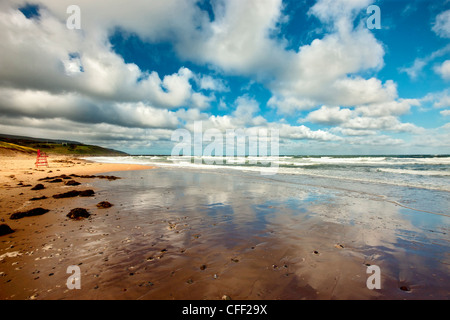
(41, 159)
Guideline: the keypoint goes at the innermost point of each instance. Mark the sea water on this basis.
(418, 181)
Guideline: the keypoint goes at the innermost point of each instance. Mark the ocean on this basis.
(319, 222)
(420, 182)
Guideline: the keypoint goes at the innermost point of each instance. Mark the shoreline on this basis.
(180, 234)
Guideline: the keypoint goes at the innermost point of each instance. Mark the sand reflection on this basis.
(200, 235)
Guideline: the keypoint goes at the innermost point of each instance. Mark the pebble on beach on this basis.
(104, 204)
(5, 229)
(78, 214)
(405, 288)
(39, 186)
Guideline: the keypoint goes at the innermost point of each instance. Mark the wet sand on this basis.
(174, 234)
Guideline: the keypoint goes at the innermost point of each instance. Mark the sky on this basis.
(314, 70)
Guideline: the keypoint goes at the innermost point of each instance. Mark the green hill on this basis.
(52, 146)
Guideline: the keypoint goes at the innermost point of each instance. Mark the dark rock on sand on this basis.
(5, 229)
(74, 193)
(405, 288)
(78, 214)
(39, 186)
(72, 183)
(55, 180)
(87, 193)
(104, 204)
(29, 213)
(82, 176)
(69, 194)
(107, 177)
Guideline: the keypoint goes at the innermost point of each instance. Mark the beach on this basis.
(25, 251)
(182, 233)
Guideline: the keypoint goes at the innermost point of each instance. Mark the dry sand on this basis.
(34, 236)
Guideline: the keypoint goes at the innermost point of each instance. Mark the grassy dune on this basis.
(16, 147)
(61, 147)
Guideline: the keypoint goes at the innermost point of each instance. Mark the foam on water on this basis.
(426, 172)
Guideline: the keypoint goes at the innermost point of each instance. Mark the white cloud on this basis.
(245, 115)
(352, 132)
(338, 12)
(329, 115)
(444, 70)
(433, 139)
(417, 67)
(375, 141)
(439, 99)
(246, 108)
(77, 108)
(191, 115)
(323, 73)
(288, 104)
(327, 71)
(366, 118)
(445, 112)
(106, 134)
(387, 123)
(390, 108)
(442, 24)
(206, 82)
(302, 132)
(42, 54)
(155, 21)
(201, 101)
(419, 64)
(238, 41)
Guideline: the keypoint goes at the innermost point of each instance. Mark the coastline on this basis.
(192, 234)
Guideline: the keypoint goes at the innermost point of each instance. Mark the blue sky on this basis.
(138, 70)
